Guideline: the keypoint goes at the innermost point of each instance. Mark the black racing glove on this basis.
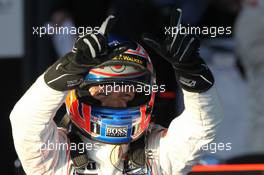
(88, 51)
(182, 51)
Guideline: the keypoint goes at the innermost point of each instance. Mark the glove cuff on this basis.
(195, 79)
(65, 74)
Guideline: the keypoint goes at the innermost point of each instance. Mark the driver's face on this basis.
(111, 99)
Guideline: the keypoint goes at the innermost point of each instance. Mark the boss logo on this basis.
(116, 131)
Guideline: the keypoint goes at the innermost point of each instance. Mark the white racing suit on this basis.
(175, 150)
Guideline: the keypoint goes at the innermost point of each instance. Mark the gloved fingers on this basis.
(175, 21)
(91, 45)
(95, 43)
(74, 48)
(174, 47)
(159, 49)
(99, 42)
(189, 46)
(107, 25)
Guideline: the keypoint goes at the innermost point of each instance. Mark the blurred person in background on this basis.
(62, 42)
(250, 51)
(69, 13)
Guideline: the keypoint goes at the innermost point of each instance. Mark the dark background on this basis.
(135, 17)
